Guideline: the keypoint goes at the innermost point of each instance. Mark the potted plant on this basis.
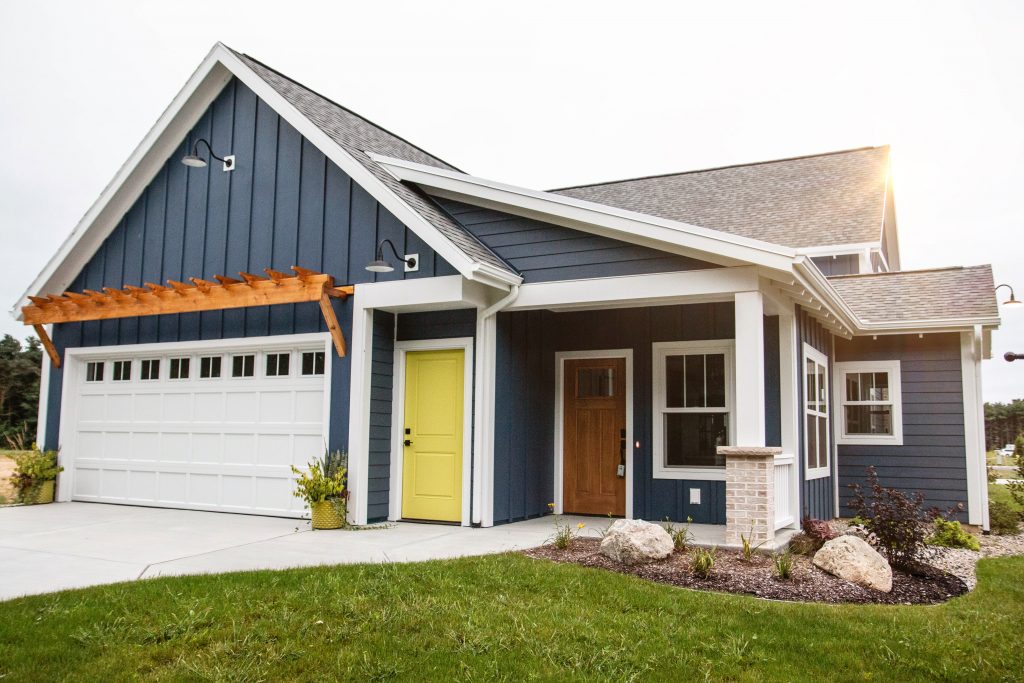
(323, 488)
(35, 472)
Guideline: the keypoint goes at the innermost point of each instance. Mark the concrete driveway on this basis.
(46, 548)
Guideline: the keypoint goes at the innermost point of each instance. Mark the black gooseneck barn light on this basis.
(379, 265)
(1012, 301)
(195, 161)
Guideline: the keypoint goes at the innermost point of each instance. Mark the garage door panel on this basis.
(209, 444)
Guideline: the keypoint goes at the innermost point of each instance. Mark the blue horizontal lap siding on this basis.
(933, 457)
(285, 204)
(543, 252)
(818, 501)
(525, 403)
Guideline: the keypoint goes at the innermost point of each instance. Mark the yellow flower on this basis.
(580, 525)
(551, 506)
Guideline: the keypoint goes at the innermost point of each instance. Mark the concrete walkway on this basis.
(45, 548)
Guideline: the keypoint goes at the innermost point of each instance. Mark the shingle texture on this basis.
(940, 294)
(357, 136)
(810, 201)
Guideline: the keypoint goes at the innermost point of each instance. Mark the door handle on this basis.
(407, 442)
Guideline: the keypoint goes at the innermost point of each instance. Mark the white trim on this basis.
(839, 249)
(402, 348)
(75, 360)
(560, 358)
(661, 350)
(423, 294)
(716, 284)
(589, 216)
(44, 394)
(789, 413)
(813, 354)
(361, 354)
(974, 429)
(748, 311)
(895, 402)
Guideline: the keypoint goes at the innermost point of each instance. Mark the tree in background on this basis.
(19, 390)
(1004, 422)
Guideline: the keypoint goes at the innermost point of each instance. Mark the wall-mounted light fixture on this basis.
(379, 265)
(196, 161)
(1012, 301)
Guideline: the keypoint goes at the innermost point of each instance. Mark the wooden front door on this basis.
(594, 434)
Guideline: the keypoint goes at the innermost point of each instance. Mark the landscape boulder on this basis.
(634, 541)
(852, 559)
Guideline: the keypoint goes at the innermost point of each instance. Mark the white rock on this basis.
(634, 541)
(851, 558)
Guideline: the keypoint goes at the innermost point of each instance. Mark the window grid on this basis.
(243, 365)
(122, 370)
(277, 364)
(94, 371)
(179, 368)
(149, 369)
(313, 363)
(852, 375)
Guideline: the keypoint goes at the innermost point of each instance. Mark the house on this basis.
(734, 345)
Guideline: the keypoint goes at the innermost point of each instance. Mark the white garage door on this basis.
(198, 427)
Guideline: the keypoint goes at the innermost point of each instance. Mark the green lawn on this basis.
(500, 617)
(999, 492)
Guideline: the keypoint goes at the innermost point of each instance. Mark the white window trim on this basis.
(811, 353)
(892, 367)
(659, 351)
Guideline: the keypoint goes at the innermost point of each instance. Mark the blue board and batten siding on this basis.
(818, 500)
(285, 204)
(543, 252)
(525, 402)
(933, 457)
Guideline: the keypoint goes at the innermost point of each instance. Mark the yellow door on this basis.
(432, 456)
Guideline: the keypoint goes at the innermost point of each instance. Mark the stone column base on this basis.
(749, 493)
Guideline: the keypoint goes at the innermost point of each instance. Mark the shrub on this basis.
(894, 518)
(681, 535)
(1003, 519)
(783, 564)
(1016, 485)
(702, 562)
(949, 534)
(324, 481)
(818, 529)
(31, 469)
(802, 544)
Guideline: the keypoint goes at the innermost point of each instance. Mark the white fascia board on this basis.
(132, 178)
(638, 290)
(424, 294)
(839, 249)
(625, 225)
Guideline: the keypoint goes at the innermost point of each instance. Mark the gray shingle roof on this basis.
(357, 136)
(926, 295)
(828, 199)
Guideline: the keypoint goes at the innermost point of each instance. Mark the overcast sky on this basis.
(548, 94)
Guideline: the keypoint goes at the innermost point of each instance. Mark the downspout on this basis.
(483, 418)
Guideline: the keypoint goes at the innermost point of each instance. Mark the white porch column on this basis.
(749, 369)
(360, 353)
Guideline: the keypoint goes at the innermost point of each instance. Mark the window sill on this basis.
(817, 473)
(866, 440)
(692, 473)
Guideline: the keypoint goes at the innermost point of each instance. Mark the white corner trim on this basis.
(44, 394)
(659, 351)
(974, 429)
(361, 355)
(839, 402)
(790, 414)
(748, 311)
(560, 358)
(464, 344)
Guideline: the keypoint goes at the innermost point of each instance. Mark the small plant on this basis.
(32, 469)
(783, 565)
(949, 534)
(748, 550)
(818, 529)
(802, 544)
(325, 480)
(702, 562)
(895, 519)
(1016, 485)
(1003, 519)
(564, 534)
(681, 535)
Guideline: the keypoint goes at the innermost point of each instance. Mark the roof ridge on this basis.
(721, 168)
(344, 108)
(940, 269)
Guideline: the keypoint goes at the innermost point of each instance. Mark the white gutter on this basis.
(483, 417)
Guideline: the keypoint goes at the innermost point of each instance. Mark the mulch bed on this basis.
(733, 574)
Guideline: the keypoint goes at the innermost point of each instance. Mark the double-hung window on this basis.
(693, 404)
(871, 409)
(816, 433)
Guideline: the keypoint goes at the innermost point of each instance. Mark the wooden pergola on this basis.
(179, 297)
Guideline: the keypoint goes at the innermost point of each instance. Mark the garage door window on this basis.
(122, 370)
(150, 369)
(94, 372)
(209, 367)
(179, 368)
(313, 363)
(277, 364)
(243, 366)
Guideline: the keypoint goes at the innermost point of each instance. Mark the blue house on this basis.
(733, 345)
